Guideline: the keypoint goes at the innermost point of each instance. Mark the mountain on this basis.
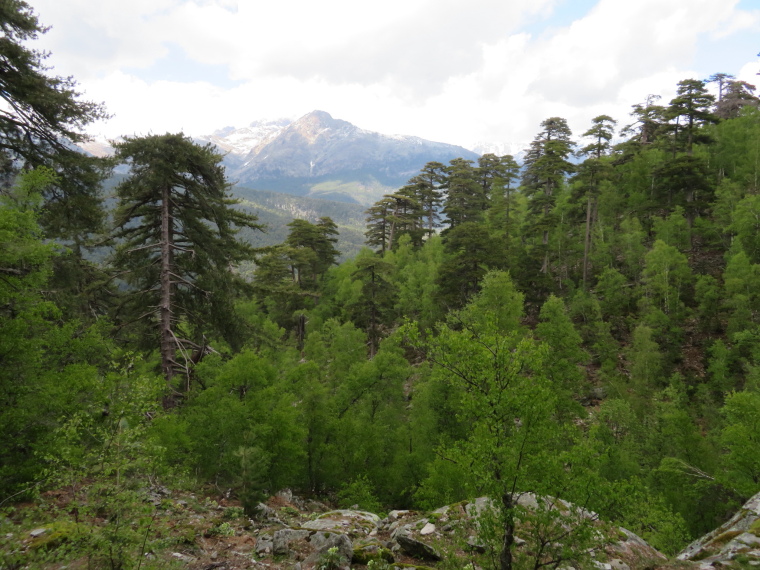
(275, 210)
(323, 157)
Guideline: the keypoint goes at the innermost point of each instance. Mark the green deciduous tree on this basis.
(514, 441)
(746, 225)
(666, 276)
(557, 331)
(51, 369)
(741, 440)
(177, 249)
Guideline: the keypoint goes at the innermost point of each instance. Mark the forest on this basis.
(584, 325)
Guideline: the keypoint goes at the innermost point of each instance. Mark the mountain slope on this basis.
(328, 158)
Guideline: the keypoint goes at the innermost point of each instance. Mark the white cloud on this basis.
(434, 68)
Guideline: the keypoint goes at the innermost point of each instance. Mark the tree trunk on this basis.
(587, 242)
(505, 556)
(165, 307)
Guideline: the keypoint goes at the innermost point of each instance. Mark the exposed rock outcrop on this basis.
(737, 542)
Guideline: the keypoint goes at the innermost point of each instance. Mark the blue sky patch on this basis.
(177, 66)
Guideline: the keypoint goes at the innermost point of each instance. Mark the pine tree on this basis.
(313, 249)
(391, 217)
(426, 190)
(647, 126)
(690, 109)
(722, 79)
(378, 232)
(738, 94)
(592, 172)
(465, 200)
(546, 165)
(472, 253)
(40, 118)
(374, 309)
(177, 227)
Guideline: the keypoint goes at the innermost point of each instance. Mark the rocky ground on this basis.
(288, 532)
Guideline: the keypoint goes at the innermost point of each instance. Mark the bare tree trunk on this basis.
(587, 242)
(165, 306)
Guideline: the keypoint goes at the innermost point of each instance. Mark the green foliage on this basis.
(374, 309)
(359, 492)
(514, 440)
(616, 365)
(242, 429)
(666, 277)
(177, 242)
(472, 253)
(646, 362)
(51, 369)
(645, 513)
(108, 464)
(739, 437)
(674, 230)
(746, 225)
(557, 331)
(331, 560)
(42, 116)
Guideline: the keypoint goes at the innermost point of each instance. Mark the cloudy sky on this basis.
(446, 70)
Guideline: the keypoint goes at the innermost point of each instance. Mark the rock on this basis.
(740, 535)
(367, 550)
(264, 544)
(37, 532)
(345, 549)
(416, 548)
(475, 546)
(429, 528)
(315, 506)
(617, 564)
(633, 547)
(354, 523)
(286, 495)
(282, 539)
(478, 506)
(319, 539)
(263, 512)
(183, 557)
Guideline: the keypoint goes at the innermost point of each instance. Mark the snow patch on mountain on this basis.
(241, 141)
(516, 149)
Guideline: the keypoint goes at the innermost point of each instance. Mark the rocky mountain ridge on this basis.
(320, 156)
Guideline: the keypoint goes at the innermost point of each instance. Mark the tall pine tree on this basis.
(177, 249)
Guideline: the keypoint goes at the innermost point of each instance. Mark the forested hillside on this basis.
(585, 325)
